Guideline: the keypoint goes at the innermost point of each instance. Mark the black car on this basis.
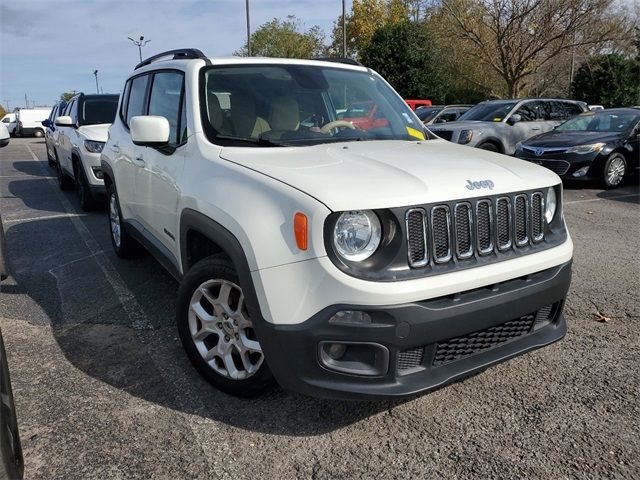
(602, 145)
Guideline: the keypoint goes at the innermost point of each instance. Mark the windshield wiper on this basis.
(256, 141)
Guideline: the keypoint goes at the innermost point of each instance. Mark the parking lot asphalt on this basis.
(104, 390)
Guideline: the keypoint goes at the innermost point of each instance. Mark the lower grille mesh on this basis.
(411, 358)
(460, 347)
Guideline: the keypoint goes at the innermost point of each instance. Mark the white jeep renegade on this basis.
(338, 260)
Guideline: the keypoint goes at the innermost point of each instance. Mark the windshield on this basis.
(97, 110)
(488, 112)
(266, 105)
(600, 122)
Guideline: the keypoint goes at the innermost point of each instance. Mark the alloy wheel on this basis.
(222, 331)
(616, 171)
(114, 220)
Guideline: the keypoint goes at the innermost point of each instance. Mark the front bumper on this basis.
(565, 165)
(474, 319)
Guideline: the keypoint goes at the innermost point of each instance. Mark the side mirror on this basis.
(149, 130)
(4, 135)
(64, 121)
(46, 123)
(513, 119)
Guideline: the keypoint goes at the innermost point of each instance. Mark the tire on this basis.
(232, 333)
(87, 202)
(614, 171)
(123, 244)
(64, 182)
(490, 147)
(38, 133)
(50, 160)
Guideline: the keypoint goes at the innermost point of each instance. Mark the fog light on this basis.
(97, 171)
(581, 172)
(351, 317)
(336, 350)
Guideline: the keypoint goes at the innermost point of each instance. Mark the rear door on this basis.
(532, 123)
(65, 137)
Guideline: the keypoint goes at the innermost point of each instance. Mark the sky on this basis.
(52, 46)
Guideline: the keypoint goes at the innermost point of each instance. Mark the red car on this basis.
(418, 103)
(364, 115)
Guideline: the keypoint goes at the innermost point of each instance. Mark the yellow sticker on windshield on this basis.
(497, 119)
(415, 133)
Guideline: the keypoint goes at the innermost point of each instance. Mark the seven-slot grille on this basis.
(479, 226)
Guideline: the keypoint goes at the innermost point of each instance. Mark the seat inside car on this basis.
(284, 117)
(244, 119)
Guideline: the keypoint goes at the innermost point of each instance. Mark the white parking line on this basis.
(42, 217)
(570, 202)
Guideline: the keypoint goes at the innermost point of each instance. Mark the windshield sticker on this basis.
(415, 133)
(497, 119)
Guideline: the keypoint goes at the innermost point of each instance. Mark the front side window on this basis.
(165, 100)
(488, 112)
(6, 120)
(137, 97)
(301, 105)
(98, 109)
(529, 111)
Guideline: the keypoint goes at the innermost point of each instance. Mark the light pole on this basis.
(139, 43)
(344, 29)
(95, 74)
(248, 29)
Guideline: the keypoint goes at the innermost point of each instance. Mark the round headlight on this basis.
(551, 204)
(357, 234)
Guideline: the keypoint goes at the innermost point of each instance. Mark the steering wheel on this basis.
(337, 123)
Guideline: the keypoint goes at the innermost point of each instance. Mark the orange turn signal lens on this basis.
(300, 230)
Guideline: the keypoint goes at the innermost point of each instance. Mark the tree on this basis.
(406, 56)
(3, 112)
(66, 96)
(286, 39)
(365, 18)
(611, 80)
(517, 38)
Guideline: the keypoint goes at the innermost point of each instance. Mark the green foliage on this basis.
(285, 39)
(66, 96)
(611, 80)
(406, 56)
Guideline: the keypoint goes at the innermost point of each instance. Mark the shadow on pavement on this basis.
(33, 168)
(30, 192)
(50, 264)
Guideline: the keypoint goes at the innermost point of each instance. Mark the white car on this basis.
(339, 262)
(499, 125)
(10, 122)
(82, 133)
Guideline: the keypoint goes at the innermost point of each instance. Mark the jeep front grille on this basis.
(480, 227)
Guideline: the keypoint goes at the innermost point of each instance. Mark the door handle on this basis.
(139, 161)
(535, 128)
(115, 148)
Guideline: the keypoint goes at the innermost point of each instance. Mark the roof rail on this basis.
(179, 54)
(348, 61)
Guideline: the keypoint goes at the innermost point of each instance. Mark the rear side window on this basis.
(165, 100)
(136, 105)
(73, 111)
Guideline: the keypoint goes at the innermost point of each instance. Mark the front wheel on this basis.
(489, 147)
(124, 244)
(87, 202)
(615, 168)
(38, 133)
(64, 182)
(217, 332)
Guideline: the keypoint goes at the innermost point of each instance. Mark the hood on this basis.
(570, 139)
(98, 133)
(385, 174)
(457, 125)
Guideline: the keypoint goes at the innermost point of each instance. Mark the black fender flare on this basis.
(495, 140)
(228, 243)
(107, 171)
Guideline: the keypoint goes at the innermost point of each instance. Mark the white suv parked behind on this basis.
(78, 141)
(341, 262)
